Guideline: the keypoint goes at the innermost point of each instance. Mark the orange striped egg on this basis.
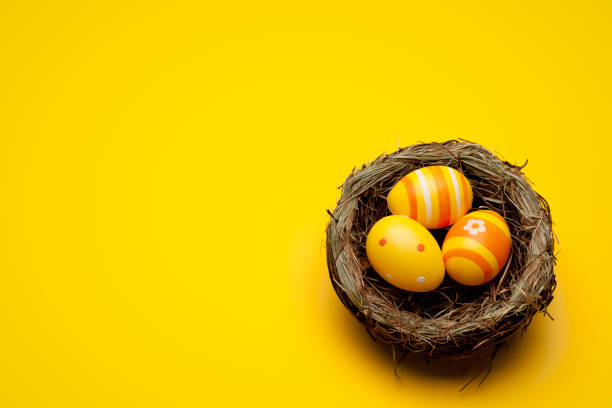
(435, 196)
(476, 248)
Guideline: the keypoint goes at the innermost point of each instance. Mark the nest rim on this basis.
(453, 322)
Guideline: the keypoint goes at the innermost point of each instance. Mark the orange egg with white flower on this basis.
(435, 196)
(476, 247)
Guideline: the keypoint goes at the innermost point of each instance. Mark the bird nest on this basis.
(453, 322)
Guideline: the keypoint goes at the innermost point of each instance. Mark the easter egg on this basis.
(435, 196)
(405, 254)
(476, 248)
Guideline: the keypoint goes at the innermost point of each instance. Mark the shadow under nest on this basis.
(454, 322)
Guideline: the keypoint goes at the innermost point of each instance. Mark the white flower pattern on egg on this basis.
(475, 226)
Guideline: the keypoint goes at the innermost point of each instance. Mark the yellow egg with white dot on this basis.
(405, 254)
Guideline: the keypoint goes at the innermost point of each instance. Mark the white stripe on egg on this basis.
(457, 190)
(426, 195)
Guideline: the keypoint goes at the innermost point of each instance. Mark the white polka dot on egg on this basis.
(421, 279)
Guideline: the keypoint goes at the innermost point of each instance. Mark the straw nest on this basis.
(453, 322)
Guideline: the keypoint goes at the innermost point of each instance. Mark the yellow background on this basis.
(165, 170)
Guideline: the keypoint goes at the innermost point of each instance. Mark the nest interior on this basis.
(454, 321)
